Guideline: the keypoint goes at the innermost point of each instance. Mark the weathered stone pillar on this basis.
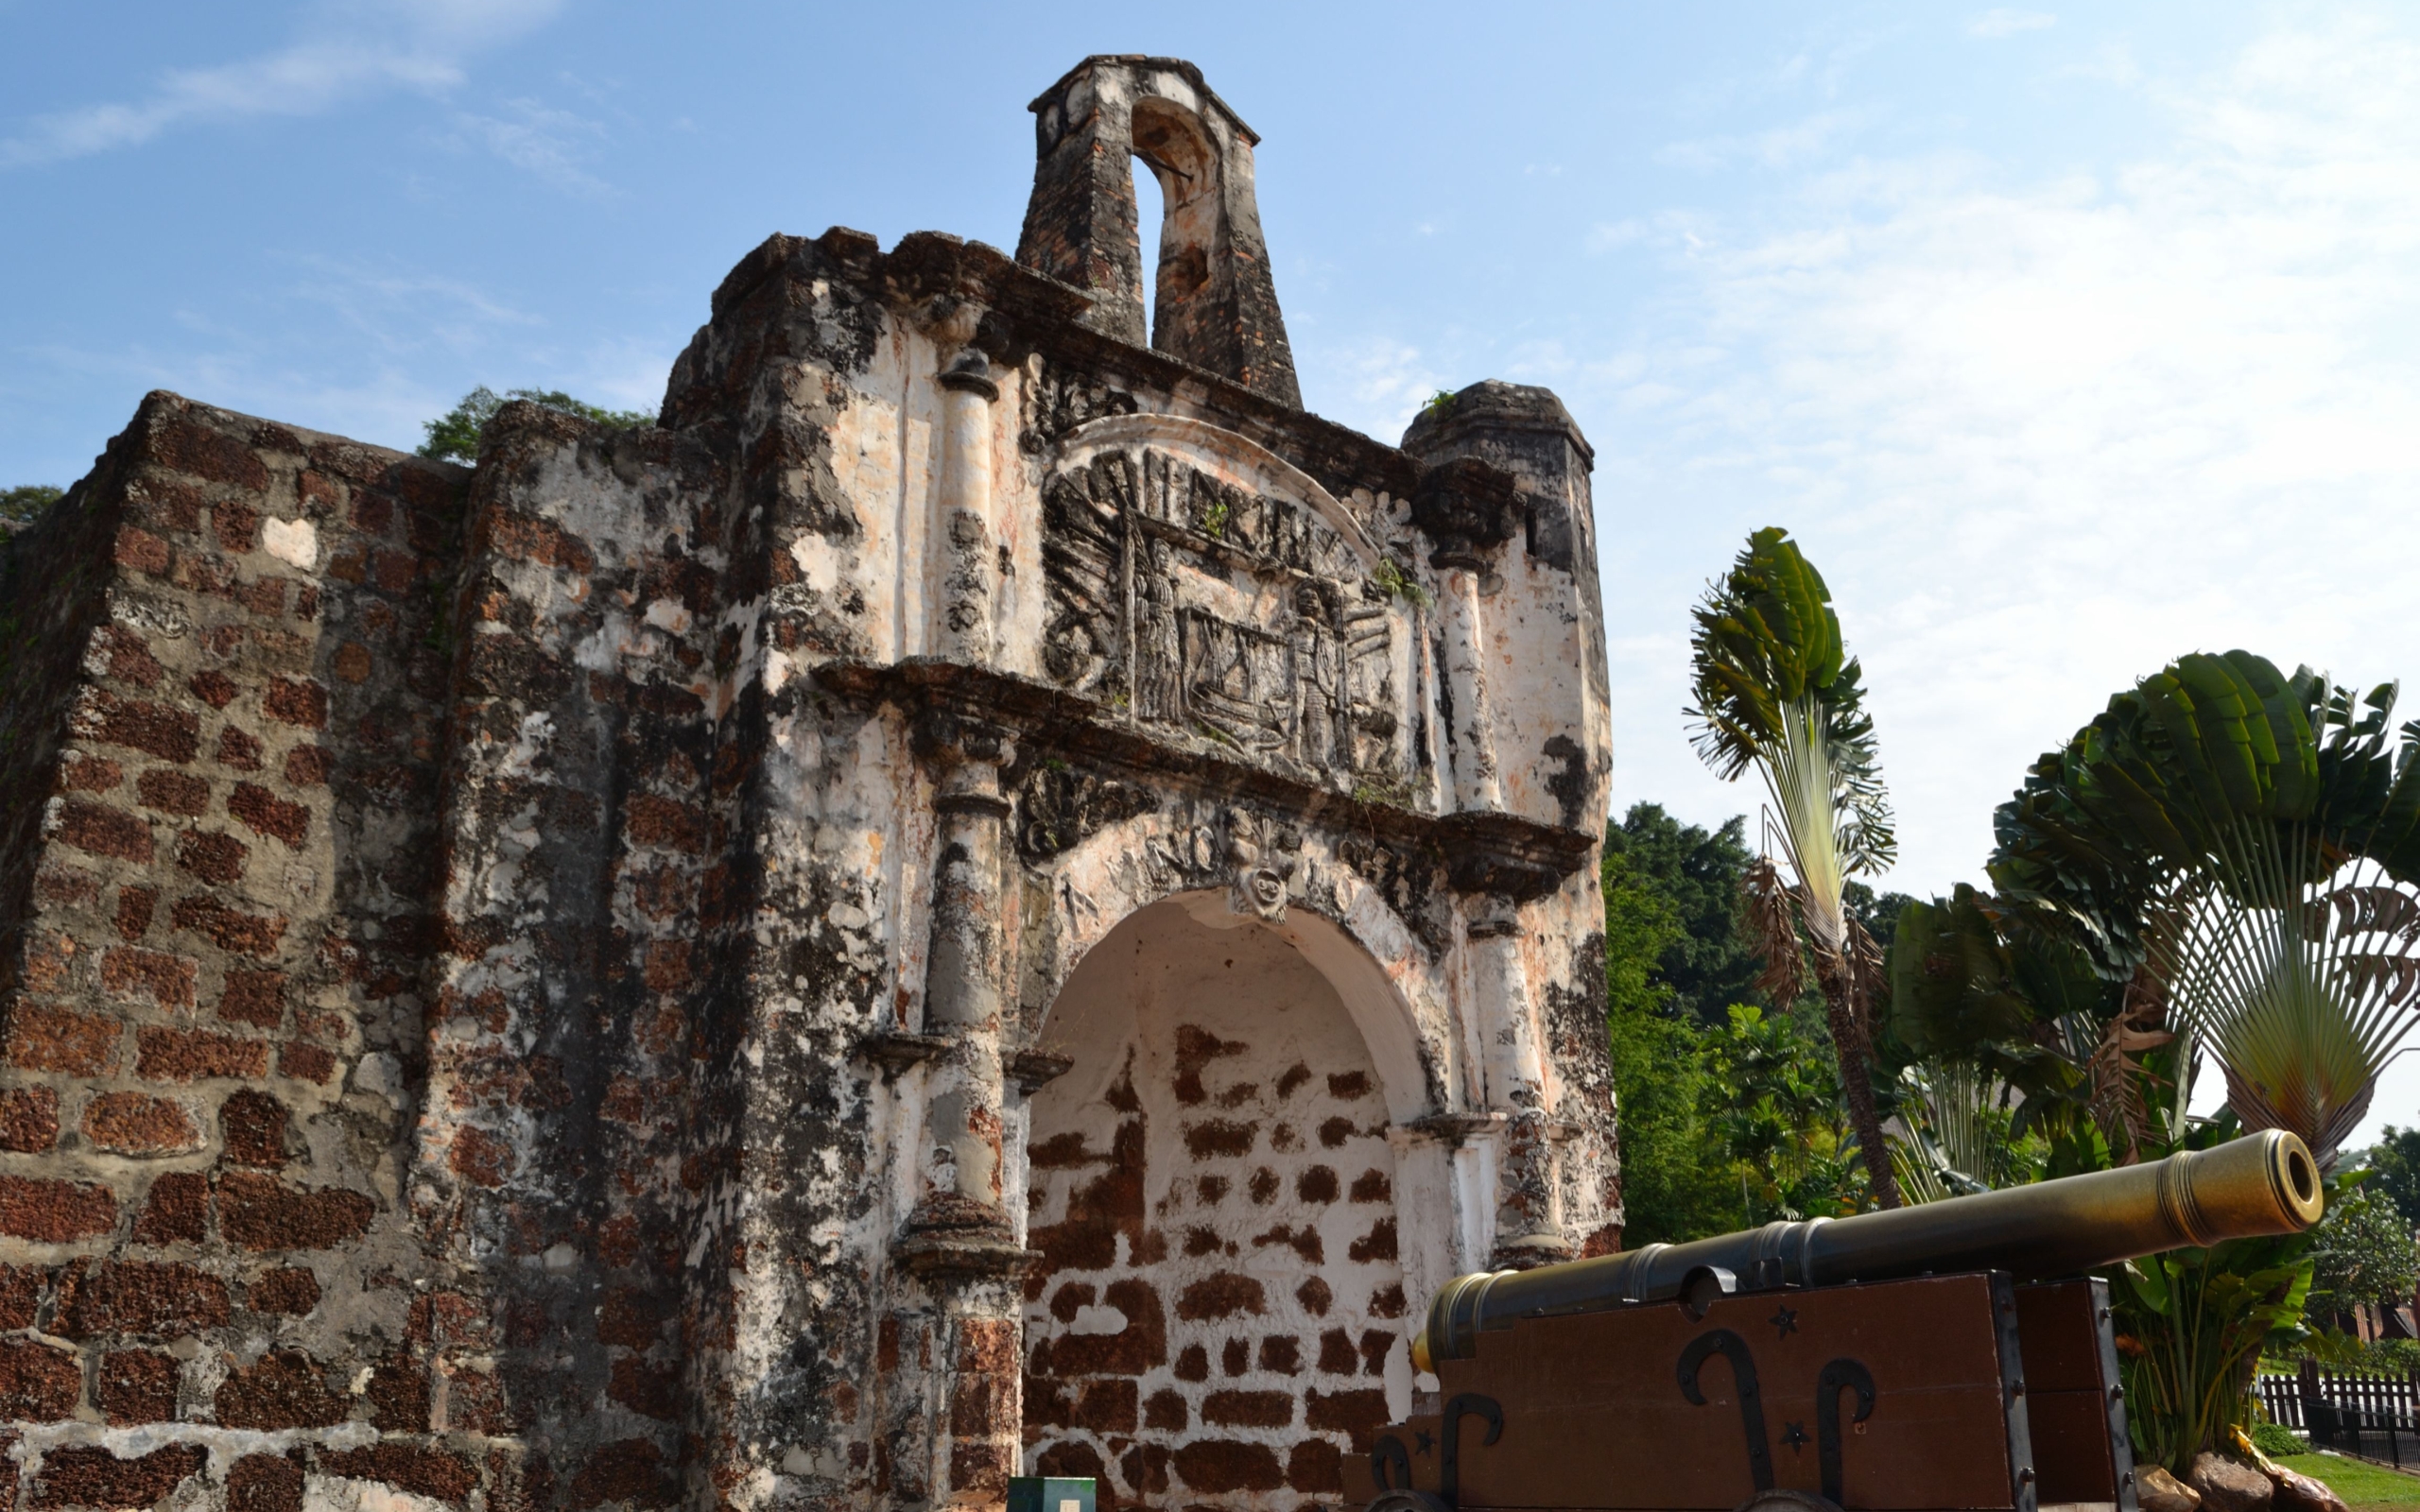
(1473, 732)
(961, 1241)
(1468, 510)
(1512, 1061)
(964, 560)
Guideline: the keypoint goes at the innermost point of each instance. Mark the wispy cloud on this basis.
(1782, 146)
(551, 143)
(343, 51)
(397, 311)
(1385, 381)
(369, 348)
(2003, 21)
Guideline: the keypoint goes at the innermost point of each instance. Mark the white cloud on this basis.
(2006, 23)
(346, 50)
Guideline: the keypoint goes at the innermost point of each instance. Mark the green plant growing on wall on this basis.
(1394, 582)
(1774, 691)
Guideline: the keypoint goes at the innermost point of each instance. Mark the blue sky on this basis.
(2066, 339)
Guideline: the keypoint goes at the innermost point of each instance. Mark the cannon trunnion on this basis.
(1821, 1366)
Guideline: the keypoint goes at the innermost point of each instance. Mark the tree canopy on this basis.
(455, 436)
(2253, 840)
(1699, 961)
(1730, 1107)
(2365, 1253)
(2395, 1160)
(22, 505)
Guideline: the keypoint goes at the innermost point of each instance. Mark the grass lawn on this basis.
(2359, 1482)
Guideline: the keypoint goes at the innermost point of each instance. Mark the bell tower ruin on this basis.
(1213, 299)
(988, 895)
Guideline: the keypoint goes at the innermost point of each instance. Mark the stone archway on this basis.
(1220, 1308)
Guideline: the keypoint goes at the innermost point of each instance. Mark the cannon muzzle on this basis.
(2263, 1183)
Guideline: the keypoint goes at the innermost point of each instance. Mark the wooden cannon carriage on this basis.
(1952, 1355)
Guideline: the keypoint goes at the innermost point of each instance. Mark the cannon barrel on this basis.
(2264, 1183)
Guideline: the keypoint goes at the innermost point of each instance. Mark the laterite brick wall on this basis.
(1220, 1303)
(215, 1006)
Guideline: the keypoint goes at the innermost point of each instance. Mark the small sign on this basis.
(1050, 1493)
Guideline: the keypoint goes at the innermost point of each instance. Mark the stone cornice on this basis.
(1480, 853)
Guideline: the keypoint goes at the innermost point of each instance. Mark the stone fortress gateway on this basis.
(991, 894)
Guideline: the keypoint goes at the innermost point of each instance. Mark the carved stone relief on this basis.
(1061, 399)
(1226, 613)
(1060, 807)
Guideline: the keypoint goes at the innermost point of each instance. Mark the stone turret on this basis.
(1213, 302)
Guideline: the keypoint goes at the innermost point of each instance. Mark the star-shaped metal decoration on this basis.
(1795, 1436)
(1427, 1443)
(1786, 1321)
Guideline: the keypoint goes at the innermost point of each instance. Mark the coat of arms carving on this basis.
(1206, 600)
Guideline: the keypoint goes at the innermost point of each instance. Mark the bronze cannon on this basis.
(1956, 1354)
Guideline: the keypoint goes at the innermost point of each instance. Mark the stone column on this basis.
(1468, 510)
(1476, 787)
(961, 1240)
(1512, 1061)
(965, 562)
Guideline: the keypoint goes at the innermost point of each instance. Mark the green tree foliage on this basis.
(22, 505)
(1876, 913)
(2394, 1162)
(2192, 1325)
(455, 436)
(2238, 851)
(1730, 1113)
(1985, 1001)
(1777, 1107)
(1703, 966)
(2252, 840)
(2365, 1253)
(1669, 1188)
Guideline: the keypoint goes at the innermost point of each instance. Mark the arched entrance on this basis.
(1220, 1304)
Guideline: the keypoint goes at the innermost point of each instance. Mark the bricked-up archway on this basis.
(1220, 1306)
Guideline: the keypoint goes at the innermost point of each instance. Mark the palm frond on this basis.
(2253, 839)
(1958, 1119)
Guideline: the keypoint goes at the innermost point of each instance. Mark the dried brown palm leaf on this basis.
(2118, 1105)
(1773, 907)
(1864, 979)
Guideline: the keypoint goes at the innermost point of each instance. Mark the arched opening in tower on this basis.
(1173, 143)
(1219, 1310)
(1150, 221)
